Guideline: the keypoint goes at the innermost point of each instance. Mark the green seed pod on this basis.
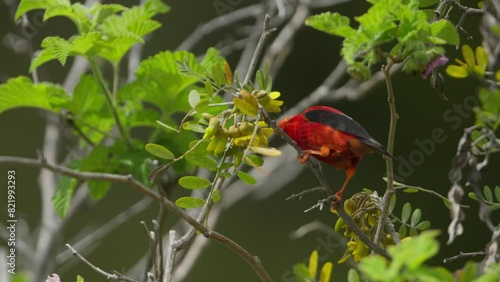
(350, 206)
(339, 224)
(234, 132)
(220, 147)
(246, 128)
(213, 143)
(213, 127)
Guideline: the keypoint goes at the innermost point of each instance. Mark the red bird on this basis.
(332, 137)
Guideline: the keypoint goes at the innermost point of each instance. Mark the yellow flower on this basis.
(268, 100)
(474, 65)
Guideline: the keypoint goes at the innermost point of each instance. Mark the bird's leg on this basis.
(349, 173)
(324, 152)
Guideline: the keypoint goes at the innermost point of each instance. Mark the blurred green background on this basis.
(261, 226)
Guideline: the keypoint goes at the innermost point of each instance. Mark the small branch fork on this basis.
(169, 205)
(445, 6)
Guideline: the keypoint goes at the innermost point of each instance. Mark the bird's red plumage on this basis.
(326, 143)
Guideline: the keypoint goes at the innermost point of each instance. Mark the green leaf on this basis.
(301, 272)
(470, 271)
(413, 231)
(313, 264)
(416, 216)
(488, 195)
(211, 58)
(79, 279)
(29, 5)
(21, 92)
(201, 160)
(41, 57)
(103, 11)
(159, 82)
(159, 151)
(62, 197)
(497, 193)
(98, 189)
(416, 251)
(410, 190)
(332, 23)
(194, 98)
(254, 160)
(216, 195)
(189, 202)
(446, 31)
(375, 268)
(406, 212)
(353, 275)
(136, 20)
(246, 177)
(437, 274)
(115, 47)
(86, 96)
(424, 225)
(472, 195)
(194, 182)
(392, 204)
(194, 127)
(76, 13)
(402, 231)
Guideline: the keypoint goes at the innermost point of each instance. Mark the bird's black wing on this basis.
(345, 124)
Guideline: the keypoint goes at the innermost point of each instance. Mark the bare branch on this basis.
(266, 31)
(463, 255)
(128, 179)
(108, 276)
(389, 192)
(210, 27)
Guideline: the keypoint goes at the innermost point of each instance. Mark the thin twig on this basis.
(266, 31)
(386, 200)
(218, 23)
(169, 262)
(107, 94)
(130, 180)
(463, 255)
(108, 276)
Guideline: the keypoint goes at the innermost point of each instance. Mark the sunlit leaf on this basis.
(201, 160)
(216, 195)
(194, 182)
(246, 177)
(353, 275)
(488, 195)
(300, 271)
(159, 151)
(333, 23)
(423, 225)
(194, 98)
(62, 196)
(415, 217)
(189, 202)
(445, 30)
(406, 212)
